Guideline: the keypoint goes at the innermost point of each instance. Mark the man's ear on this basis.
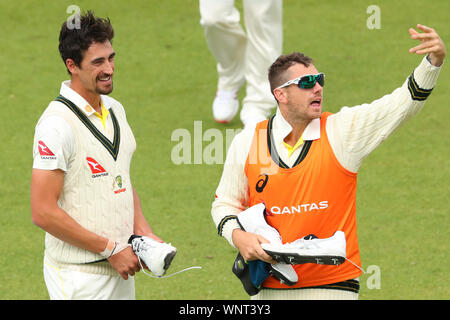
(280, 96)
(71, 66)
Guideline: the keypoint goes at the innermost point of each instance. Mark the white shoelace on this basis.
(167, 276)
(142, 245)
(363, 271)
(306, 244)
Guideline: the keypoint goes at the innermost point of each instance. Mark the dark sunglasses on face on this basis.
(306, 82)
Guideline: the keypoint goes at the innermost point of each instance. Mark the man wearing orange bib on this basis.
(302, 165)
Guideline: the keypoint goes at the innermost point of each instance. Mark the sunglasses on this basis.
(306, 82)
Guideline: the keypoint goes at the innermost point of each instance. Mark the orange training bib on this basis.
(315, 196)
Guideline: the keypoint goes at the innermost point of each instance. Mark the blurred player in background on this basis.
(243, 56)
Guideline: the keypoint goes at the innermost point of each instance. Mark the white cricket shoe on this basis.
(225, 105)
(253, 220)
(284, 272)
(156, 255)
(310, 249)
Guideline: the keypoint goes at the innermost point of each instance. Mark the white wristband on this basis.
(108, 252)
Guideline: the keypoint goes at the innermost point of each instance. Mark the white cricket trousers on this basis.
(305, 294)
(66, 284)
(245, 56)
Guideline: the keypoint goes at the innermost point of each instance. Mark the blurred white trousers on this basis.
(245, 56)
(67, 284)
(305, 294)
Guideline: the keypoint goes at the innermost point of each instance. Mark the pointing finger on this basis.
(423, 36)
(412, 32)
(428, 50)
(425, 28)
(424, 45)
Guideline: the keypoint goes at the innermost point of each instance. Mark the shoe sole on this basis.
(168, 259)
(294, 258)
(222, 121)
(280, 276)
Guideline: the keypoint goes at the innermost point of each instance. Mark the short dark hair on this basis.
(74, 41)
(277, 71)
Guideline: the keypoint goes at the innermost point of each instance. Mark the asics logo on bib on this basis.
(261, 182)
(301, 208)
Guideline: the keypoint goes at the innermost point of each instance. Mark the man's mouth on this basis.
(105, 78)
(316, 102)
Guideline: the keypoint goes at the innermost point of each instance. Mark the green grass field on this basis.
(165, 77)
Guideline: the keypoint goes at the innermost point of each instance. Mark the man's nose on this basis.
(109, 67)
(317, 87)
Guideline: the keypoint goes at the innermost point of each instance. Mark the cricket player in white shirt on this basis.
(81, 192)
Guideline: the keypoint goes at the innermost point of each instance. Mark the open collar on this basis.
(281, 129)
(67, 92)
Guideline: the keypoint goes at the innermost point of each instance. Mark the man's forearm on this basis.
(62, 226)
(45, 189)
(225, 220)
(355, 132)
(141, 225)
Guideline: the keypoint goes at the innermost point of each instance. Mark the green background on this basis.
(166, 79)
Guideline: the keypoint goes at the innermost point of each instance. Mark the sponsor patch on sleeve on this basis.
(45, 152)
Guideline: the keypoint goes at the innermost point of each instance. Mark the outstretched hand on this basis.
(431, 44)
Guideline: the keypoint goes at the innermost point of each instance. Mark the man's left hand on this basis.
(431, 44)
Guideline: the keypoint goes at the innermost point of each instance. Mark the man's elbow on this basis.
(39, 218)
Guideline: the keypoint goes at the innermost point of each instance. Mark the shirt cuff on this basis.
(426, 74)
(227, 230)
